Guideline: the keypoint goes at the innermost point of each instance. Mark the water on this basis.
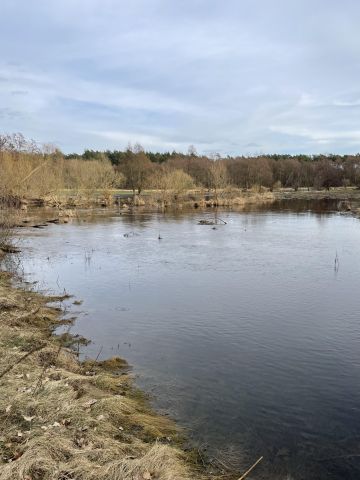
(246, 334)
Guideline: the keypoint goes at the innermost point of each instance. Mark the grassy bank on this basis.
(61, 419)
(68, 200)
(335, 193)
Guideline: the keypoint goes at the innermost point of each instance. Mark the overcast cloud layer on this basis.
(233, 76)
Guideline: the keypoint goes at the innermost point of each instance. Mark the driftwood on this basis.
(206, 222)
(212, 222)
(250, 469)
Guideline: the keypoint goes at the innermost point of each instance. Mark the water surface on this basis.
(245, 334)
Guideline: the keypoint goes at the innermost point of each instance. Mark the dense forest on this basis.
(137, 169)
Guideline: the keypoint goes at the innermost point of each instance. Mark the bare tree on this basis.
(136, 168)
(192, 151)
(218, 177)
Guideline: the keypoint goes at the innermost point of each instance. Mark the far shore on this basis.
(67, 204)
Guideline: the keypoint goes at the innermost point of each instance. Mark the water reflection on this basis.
(243, 333)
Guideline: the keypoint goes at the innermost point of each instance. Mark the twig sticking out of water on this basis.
(336, 262)
(98, 355)
(88, 256)
(250, 469)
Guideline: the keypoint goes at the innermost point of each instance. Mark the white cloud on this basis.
(320, 136)
(222, 75)
(342, 103)
(149, 142)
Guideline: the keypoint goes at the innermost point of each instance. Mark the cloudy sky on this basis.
(232, 76)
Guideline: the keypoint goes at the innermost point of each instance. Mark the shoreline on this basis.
(68, 204)
(102, 427)
(344, 201)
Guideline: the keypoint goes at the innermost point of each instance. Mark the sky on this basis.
(230, 76)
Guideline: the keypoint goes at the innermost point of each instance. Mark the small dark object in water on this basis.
(206, 222)
(130, 234)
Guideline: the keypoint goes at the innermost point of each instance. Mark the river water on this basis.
(247, 334)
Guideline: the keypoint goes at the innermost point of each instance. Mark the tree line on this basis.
(143, 169)
(136, 169)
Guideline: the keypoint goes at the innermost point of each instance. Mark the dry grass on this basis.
(60, 421)
(8, 220)
(25, 175)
